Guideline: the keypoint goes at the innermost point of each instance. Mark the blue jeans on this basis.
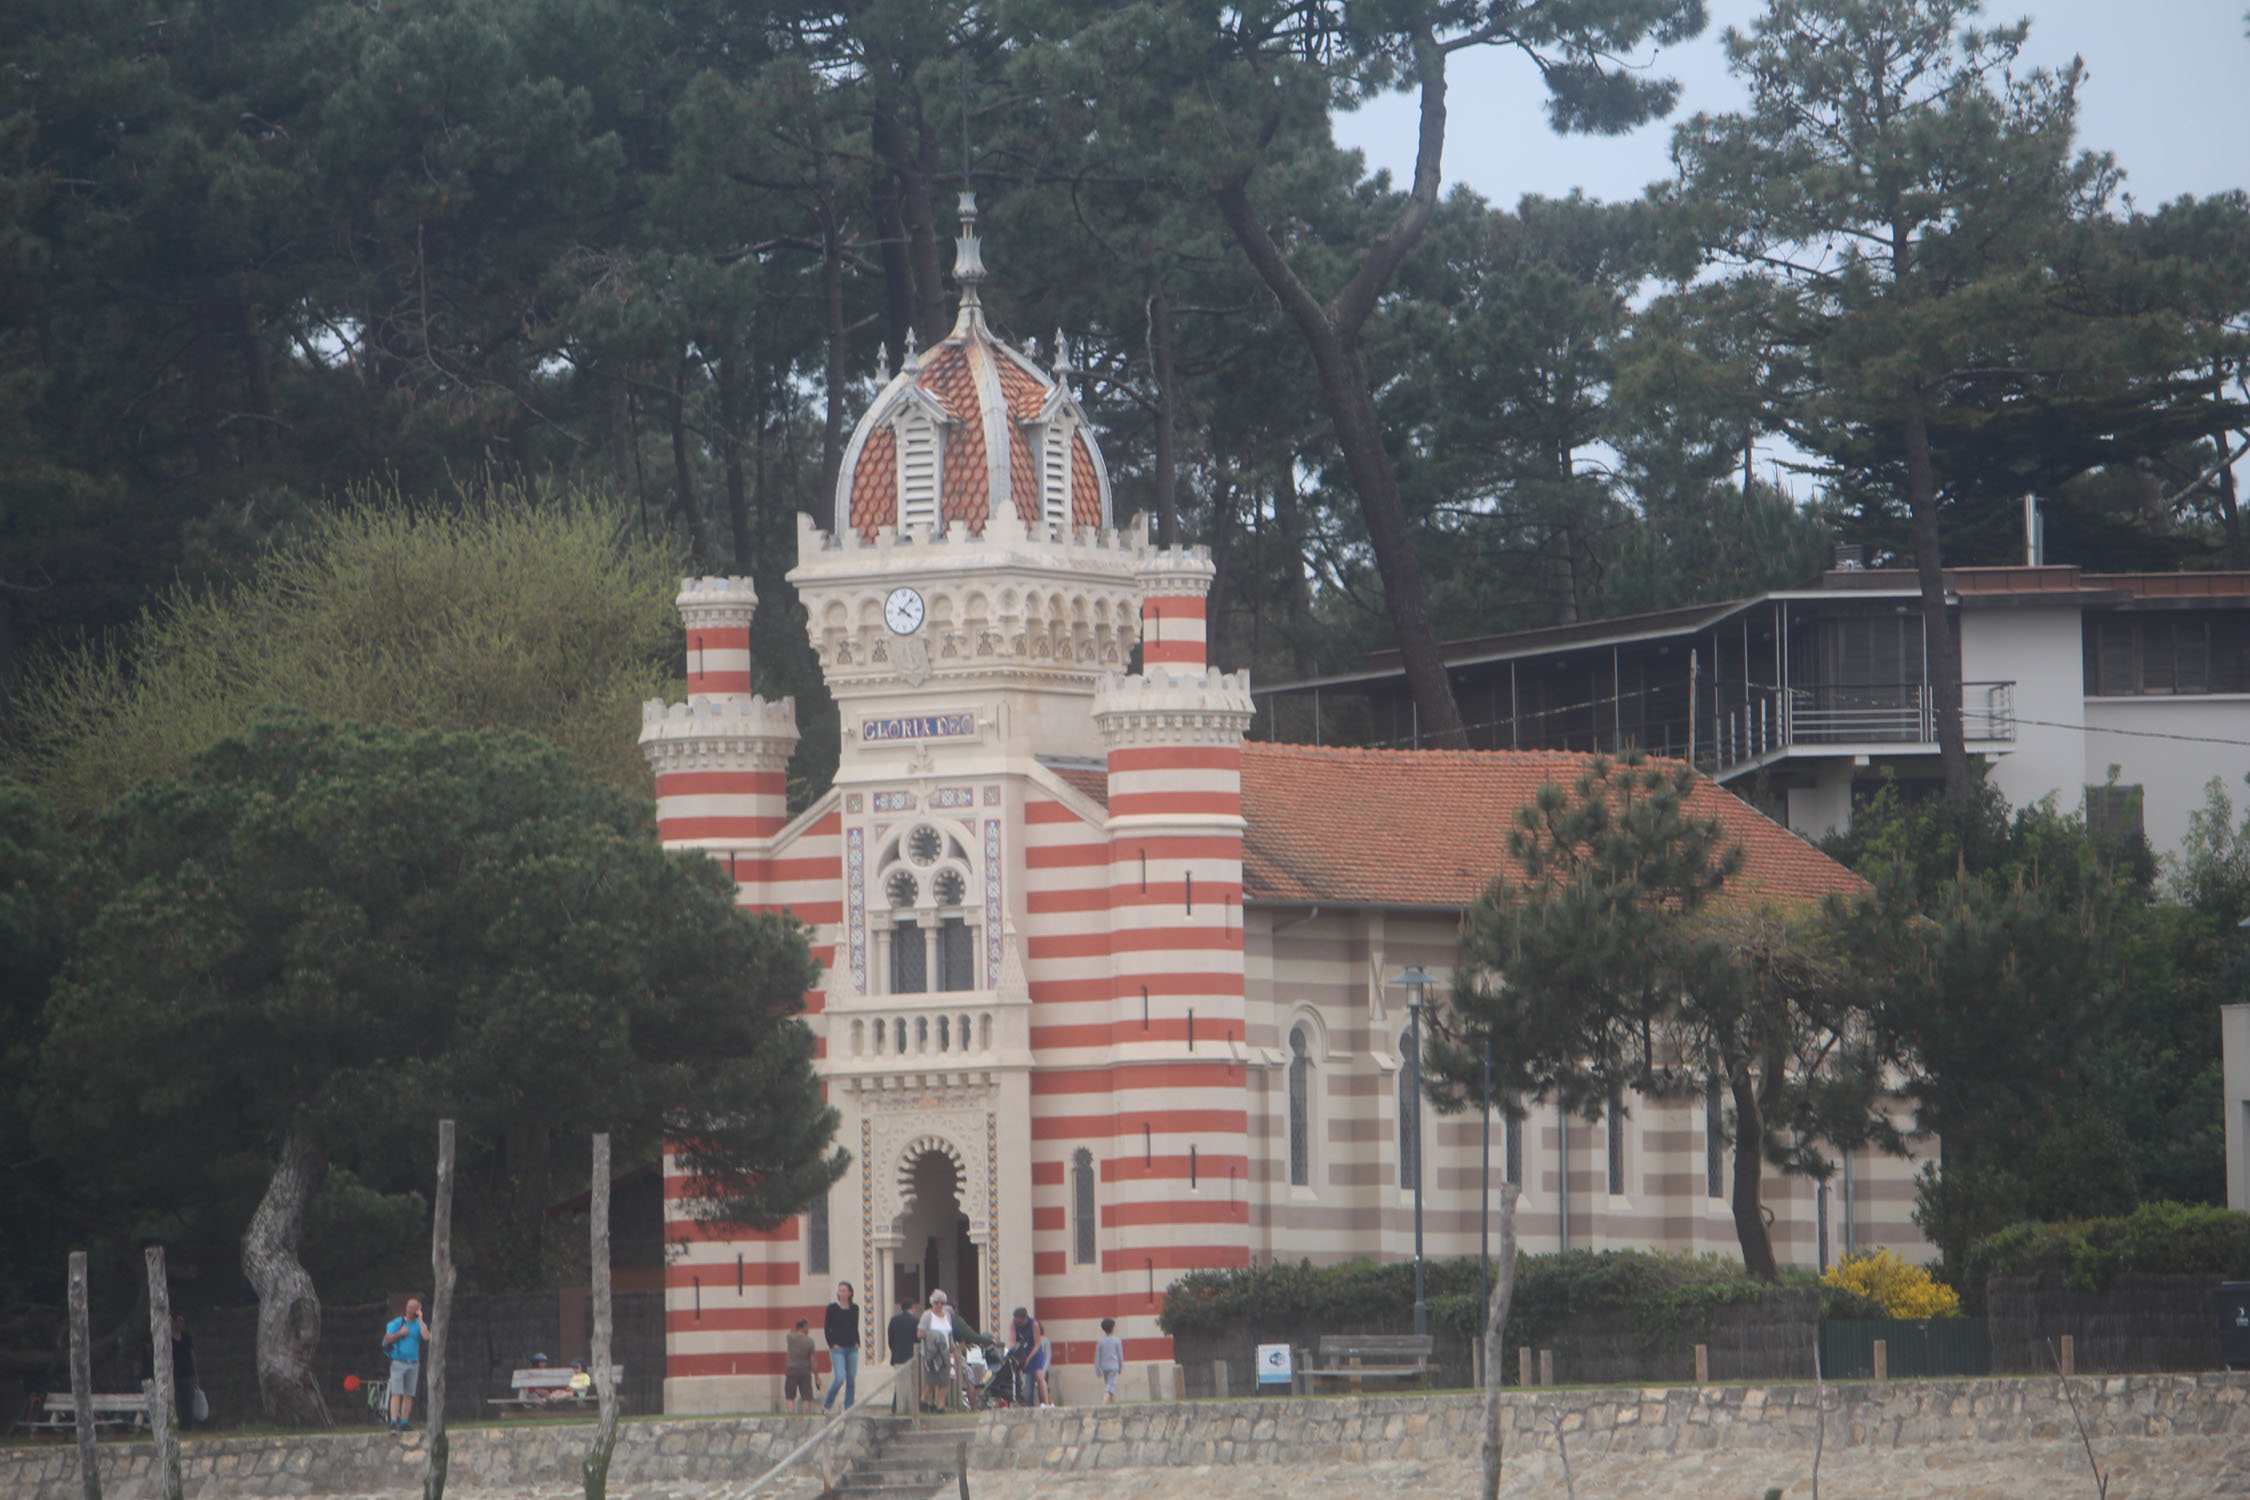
(843, 1376)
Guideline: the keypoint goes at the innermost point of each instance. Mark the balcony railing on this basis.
(937, 1029)
(1776, 720)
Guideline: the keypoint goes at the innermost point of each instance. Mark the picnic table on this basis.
(57, 1411)
(1373, 1356)
(539, 1388)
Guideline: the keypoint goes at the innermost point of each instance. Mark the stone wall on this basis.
(518, 1458)
(2188, 1432)
(1652, 1422)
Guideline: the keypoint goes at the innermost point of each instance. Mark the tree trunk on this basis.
(1495, 1327)
(288, 1307)
(1296, 587)
(605, 1384)
(832, 376)
(683, 471)
(1160, 364)
(162, 1420)
(82, 1380)
(730, 427)
(1937, 624)
(917, 219)
(1332, 334)
(441, 1325)
(1219, 600)
(623, 460)
(898, 276)
(1749, 1167)
(2230, 517)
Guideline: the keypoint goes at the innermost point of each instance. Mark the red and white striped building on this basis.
(1107, 991)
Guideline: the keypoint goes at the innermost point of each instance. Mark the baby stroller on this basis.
(1007, 1383)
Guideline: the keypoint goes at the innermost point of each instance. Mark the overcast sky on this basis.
(2168, 92)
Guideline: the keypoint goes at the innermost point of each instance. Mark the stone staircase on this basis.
(902, 1463)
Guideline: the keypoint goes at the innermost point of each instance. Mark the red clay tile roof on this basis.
(1025, 395)
(1429, 828)
(1023, 474)
(950, 373)
(1085, 493)
(875, 484)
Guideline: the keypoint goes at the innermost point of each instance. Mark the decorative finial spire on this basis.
(968, 253)
(1063, 367)
(883, 364)
(913, 360)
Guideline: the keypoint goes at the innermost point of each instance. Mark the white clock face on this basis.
(903, 611)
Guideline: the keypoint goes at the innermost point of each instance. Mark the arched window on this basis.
(1300, 1109)
(1082, 1206)
(1409, 1116)
(927, 877)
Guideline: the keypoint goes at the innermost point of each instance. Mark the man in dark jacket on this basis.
(899, 1334)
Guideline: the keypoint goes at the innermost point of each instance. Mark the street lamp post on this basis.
(1417, 982)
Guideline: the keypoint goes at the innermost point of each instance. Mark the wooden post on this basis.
(2069, 1355)
(961, 1465)
(1702, 1364)
(605, 1377)
(1546, 1367)
(1882, 1359)
(1219, 1379)
(1523, 1366)
(82, 1378)
(160, 1389)
(441, 1322)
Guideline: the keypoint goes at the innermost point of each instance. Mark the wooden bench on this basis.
(537, 1390)
(57, 1411)
(1372, 1356)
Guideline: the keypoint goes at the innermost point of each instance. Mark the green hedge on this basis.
(1668, 1295)
(2160, 1239)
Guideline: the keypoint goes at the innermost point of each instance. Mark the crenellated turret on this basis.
(722, 758)
(1174, 582)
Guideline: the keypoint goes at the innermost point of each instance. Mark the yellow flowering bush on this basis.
(1904, 1291)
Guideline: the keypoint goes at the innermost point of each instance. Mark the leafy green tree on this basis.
(1625, 955)
(325, 937)
(515, 611)
(1238, 98)
(1910, 213)
(2054, 1016)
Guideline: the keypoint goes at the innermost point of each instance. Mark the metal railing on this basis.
(1774, 719)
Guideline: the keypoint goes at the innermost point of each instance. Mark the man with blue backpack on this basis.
(402, 1341)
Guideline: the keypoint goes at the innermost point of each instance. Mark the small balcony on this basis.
(1775, 723)
(960, 1029)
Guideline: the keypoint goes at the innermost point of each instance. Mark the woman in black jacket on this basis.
(841, 1325)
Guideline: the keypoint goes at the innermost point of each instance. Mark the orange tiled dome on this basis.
(925, 453)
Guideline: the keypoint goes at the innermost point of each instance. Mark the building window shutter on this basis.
(918, 464)
(956, 956)
(1082, 1206)
(910, 960)
(1054, 474)
(1300, 1110)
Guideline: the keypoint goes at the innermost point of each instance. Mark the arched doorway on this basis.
(934, 1245)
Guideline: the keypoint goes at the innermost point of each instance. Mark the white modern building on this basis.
(1803, 698)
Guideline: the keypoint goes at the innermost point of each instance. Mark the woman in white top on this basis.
(936, 1334)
